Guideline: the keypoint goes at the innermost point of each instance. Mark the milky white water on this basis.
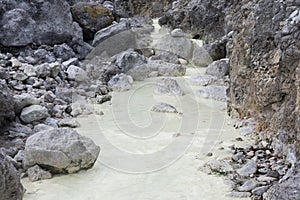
(147, 155)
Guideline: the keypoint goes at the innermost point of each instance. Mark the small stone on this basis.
(103, 98)
(209, 154)
(263, 170)
(247, 169)
(266, 179)
(36, 173)
(164, 108)
(239, 156)
(273, 174)
(250, 154)
(72, 123)
(248, 186)
(259, 191)
(239, 139)
(15, 62)
(20, 76)
(99, 112)
(239, 194)
(177, 33)
(71, 61)
(260, 153)
(120, 82)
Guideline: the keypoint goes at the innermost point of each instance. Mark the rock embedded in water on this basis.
(219, 68)
(202, 80)
(167, 69)
(92, 17)
(33, 113)
(36, 173)
(129, 59)
(10, 182)
(120, 82)
(164, 108)
(60, 151)
(217, 166)
(168, 86)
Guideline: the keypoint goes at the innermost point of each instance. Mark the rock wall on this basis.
(264, 69)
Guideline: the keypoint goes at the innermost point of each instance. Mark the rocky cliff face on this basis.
(265, 69)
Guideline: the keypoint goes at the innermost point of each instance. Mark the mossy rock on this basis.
(92, 17)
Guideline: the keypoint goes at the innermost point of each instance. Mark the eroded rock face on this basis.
(10, 185)
(264, 68)
(60, 151)
(40, 22)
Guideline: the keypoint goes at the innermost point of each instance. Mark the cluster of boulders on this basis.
(252, 170)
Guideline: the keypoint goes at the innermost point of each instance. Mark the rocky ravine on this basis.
(264, 74)
(260, 38)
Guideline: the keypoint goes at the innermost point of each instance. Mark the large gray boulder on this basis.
(39, 22)
(6, 104)
(110, 31)
(34, 113)
(180, 46)
(91, 16)
(115, 44)
(10, 184)
(60, 151)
